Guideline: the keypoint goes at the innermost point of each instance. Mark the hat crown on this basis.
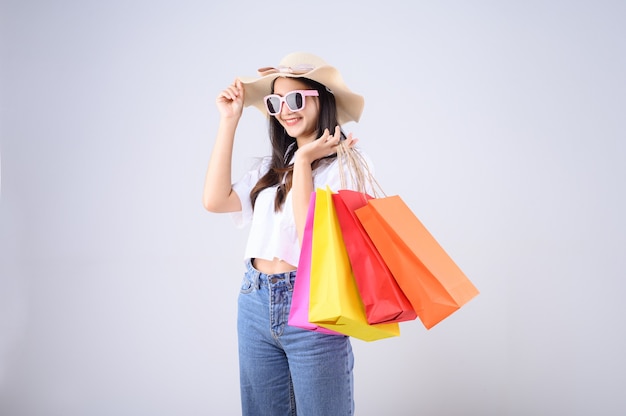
(302, 59)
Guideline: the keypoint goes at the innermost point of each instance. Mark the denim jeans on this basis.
(284, 368)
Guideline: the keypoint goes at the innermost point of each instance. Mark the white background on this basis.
(500, 123)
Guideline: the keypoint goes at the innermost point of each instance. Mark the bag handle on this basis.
(355, 165)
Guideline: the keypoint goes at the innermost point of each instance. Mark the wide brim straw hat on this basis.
(305, 65)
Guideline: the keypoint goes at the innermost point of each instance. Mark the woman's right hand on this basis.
(230, 101)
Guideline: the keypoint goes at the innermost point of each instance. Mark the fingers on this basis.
(335, 138)
(232, 92)
(351, 141)
(230, 100)
(326, 137)
(241, 90)
(337, 134)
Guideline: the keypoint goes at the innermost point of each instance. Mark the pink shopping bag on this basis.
(299, 312)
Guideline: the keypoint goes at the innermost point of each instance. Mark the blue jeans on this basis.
(284, 368)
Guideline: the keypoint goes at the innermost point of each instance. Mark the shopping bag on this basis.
(299, 311)
(382, 298)
(430, 279)
(334, 301)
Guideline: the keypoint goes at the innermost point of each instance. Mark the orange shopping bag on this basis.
(431, 280)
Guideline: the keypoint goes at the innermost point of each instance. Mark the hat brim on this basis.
(349, 104)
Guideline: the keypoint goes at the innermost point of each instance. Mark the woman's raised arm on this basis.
(218, 195)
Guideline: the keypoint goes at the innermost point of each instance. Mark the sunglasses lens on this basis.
(273, 105)
(295, 101)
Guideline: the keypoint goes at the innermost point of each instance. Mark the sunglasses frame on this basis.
(283, 99)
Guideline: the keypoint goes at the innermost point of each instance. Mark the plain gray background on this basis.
(500, 123)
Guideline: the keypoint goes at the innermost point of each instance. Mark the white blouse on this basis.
(273, 234)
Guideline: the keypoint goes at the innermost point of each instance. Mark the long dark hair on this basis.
(281, 152)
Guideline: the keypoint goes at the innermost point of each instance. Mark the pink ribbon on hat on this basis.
(296, 70)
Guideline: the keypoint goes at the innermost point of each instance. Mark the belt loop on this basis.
(257, 279)
(254, 274)
(291, 277)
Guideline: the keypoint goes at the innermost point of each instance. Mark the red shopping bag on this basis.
(429, 278)
(299, 311)
(382, 298)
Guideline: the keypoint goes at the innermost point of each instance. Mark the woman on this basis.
(284, 368)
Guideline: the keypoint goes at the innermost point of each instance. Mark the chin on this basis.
(294, 132)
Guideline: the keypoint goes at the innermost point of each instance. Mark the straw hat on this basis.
(305, 65)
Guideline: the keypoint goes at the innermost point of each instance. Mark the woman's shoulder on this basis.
(261, 163)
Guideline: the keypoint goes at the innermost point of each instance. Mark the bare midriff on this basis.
(272, 266)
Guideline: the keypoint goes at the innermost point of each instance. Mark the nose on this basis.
(284, 108)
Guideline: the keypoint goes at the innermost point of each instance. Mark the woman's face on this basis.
(302, 124)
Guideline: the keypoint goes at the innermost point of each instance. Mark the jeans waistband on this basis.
(264, 278)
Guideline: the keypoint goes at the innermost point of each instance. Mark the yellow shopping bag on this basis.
(334, 301)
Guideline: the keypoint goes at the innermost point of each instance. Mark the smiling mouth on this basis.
(291, 121)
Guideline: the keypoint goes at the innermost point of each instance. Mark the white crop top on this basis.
(273, 234)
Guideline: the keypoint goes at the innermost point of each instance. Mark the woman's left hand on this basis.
(302, 188)
(324, 146)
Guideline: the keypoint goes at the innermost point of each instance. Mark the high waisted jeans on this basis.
(284, 368)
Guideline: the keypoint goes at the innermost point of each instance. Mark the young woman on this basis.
(284, 368)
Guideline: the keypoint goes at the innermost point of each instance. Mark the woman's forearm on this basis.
(218, 195)
(301, 190)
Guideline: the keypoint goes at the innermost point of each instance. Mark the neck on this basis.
(305, 139)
